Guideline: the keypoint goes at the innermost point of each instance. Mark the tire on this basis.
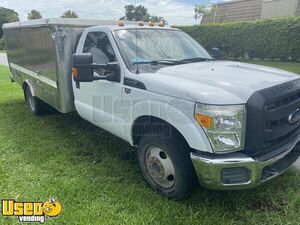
(35, 105)
(166, 165)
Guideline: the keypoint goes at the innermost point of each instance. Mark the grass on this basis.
(96, 177)
(289, 66)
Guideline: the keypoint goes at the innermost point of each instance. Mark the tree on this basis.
(139, 13)
(69, 14)
(34, 14)
(7, 16)
(204, 9)
(157, 19)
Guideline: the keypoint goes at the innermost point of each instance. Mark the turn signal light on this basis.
(74, 72)
(204, 120)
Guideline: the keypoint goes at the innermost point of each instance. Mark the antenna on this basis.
(136, 41)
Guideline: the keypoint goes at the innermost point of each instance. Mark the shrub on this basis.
(277, 38)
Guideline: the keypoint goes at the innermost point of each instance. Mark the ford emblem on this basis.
(294, 117)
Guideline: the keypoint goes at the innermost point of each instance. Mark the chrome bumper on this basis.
(210, 169)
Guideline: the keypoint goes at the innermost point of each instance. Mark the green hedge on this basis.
(277, 38)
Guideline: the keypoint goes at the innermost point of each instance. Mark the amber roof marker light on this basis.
(121, 23)
(151, 24)
(141, 23)
(161, 24)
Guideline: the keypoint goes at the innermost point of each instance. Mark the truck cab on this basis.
(193, 119)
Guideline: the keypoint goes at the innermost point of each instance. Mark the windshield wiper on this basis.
(196, 59)
(160, 62)
(173, 62)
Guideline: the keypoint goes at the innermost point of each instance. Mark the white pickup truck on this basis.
(223, 124)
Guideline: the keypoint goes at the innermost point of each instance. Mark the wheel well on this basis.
(24, 86)
(155, 125)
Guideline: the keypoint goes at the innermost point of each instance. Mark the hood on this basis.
(214, 82)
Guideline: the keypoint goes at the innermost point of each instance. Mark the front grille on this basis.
(268, 111)
(282, 102)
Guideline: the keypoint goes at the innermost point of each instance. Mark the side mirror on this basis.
(215, 52)
(83, 69)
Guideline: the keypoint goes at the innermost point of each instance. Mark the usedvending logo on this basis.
(31, 211)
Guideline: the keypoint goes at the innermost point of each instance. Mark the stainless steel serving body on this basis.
(40, 55)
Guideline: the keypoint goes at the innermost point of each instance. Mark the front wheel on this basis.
(166, 166)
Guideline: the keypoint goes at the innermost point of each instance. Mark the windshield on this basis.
(156, 48)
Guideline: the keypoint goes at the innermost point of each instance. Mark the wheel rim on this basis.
(30, 100)
(160, 167)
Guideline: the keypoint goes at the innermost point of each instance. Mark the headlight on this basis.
(224, 126)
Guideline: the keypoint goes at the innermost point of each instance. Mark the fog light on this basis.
(235, 175)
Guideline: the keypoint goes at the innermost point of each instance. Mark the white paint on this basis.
(214, 82)
(171, 94)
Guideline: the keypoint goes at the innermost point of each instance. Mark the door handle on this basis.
(127, 90)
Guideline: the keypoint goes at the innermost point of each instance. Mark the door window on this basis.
(98, 44)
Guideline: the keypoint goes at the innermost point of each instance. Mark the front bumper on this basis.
(239, 171)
